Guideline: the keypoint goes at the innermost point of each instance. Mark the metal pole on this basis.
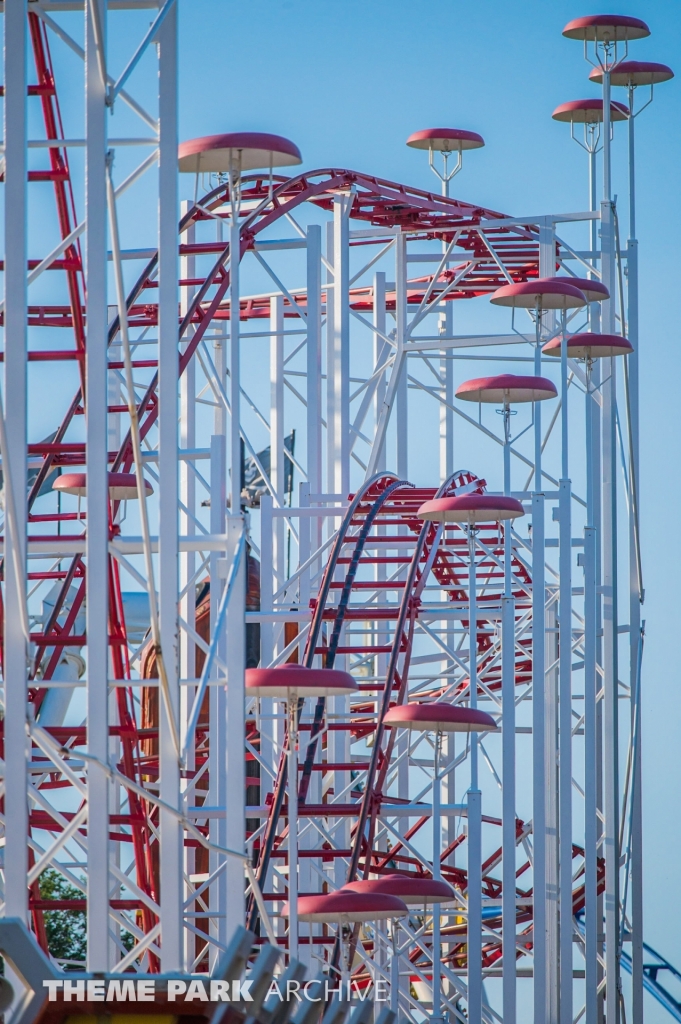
(234, 368)
(635, 598)
(607, 173)
(217, 746)
(565, 699)
(293, 827)
(447, 374)
(402, 396)
(610, 617)
(188, 558)
(341, 336)
(171, 845)
(591, 907)
(15, 642)
(330, 288)
(381, 348)
(97, 610)
(235, 730)
(508, 909)
(277, 467)
(542, 1000)
(437, 874)
(314, 359)
(474, 892)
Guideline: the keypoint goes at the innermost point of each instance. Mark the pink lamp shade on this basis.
(437, 716)
(471, 509)
(610, 28)
(589, 111)
(593, 291)
(590, 346)
(122, 486)
(296, 680)
(445, 140)
(412, 890)
(348, 907)
(506, 389)
(251, 150)
(635, 72)
(540, 294)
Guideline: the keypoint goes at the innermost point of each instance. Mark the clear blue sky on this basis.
(349, 82)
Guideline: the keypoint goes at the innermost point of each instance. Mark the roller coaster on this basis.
(377, 591)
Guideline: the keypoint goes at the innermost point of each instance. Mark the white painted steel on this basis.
(474, 802)
(97, 554)
(15, 640)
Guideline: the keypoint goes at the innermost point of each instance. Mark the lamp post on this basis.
(345, 907)
(589, 114)
(414, 891)
(606, 39)
(438, 718)
(292, 684)
(468, 511)
(632, 74)
(508, 389)
(590, 347)
(231, 154)
(548, 294)
(446, 142)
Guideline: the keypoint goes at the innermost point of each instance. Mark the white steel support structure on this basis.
(372, 310)
(98, 494)
(172, 860)
(15, 412)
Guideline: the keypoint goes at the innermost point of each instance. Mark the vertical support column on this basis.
(402, 394)
(538, 760)
(217, 699)
(508, 797)
(552, 944)
(171, 846)
(308, 878)
(610, 617)
(542, 1001)
(437, 874)
(592, 921)
(447, 392)
(97, 610)
(565, 747)
(635, 601)
(266, 704)
(292, 708)
(508, 816)
(381, 352)
(277, 467)
(234, 371)
(235, 729)
(187, 528)
(314, 358)
(15, 653)
(341, 343)
(187, 482)
(381, 349)
(330, 289)
(474, 801)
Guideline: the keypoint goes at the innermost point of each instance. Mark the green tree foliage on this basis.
(66, 929)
